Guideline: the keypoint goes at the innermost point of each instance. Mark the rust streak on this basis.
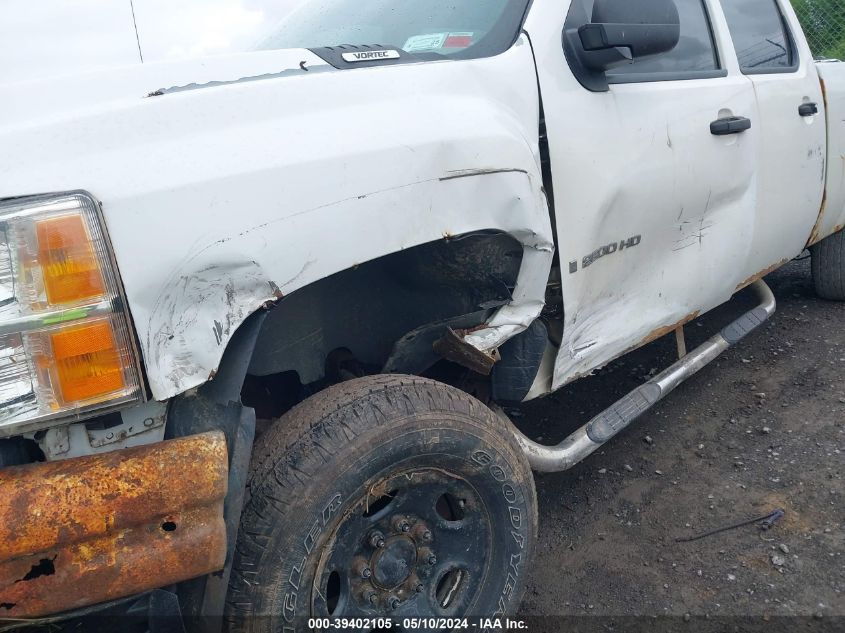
(667, 329)
(761, 274)
(454, 348)
(815, 235)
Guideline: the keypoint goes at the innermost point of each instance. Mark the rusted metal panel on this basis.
(453, 347)
(667, 329)
(94, 529)
(763, 273)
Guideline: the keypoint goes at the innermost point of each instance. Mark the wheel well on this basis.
(380, 316)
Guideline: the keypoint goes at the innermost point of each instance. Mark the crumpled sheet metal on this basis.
(94, 529)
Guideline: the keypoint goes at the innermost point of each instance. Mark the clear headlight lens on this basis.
(65, 347)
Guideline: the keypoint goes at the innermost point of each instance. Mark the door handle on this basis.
(730, 125)
(808, 109)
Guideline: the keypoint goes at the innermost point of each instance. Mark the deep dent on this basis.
(204, 307)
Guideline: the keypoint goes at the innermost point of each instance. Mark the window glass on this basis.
(696, 51)
(462, 28)
(759, 35)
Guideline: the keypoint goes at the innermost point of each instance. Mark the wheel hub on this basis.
(403, 550)
(394, 563)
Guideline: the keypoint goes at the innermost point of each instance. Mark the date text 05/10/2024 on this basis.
(407, 624)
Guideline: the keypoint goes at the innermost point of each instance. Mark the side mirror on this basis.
(619, 32)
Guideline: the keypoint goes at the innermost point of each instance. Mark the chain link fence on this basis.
(824, 24)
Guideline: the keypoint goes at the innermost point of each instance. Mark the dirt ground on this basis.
(761, 428)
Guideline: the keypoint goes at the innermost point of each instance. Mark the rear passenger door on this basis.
(654, 213)
(791, 128)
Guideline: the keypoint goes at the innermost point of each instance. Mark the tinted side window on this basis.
(696, 52)
(759, 34)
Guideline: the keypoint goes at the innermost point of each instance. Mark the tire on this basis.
(829, 267)
(383, 496)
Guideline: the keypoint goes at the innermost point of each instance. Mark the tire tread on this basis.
(829, 267)
(300, 444)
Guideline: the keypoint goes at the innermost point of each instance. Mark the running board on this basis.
(608, 423)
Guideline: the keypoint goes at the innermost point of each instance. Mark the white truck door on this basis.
(790, 125)
(654, 212)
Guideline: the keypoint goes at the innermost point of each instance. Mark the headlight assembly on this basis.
(65, 345)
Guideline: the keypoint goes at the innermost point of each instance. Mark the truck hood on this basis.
(40, 101)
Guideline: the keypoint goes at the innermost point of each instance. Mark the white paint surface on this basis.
(251, 176)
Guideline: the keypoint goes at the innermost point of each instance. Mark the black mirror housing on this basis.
(619, 32)
(643, 40)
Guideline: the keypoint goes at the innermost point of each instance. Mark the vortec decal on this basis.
(369, 56)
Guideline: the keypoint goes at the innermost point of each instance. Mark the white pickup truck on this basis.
(371, 224)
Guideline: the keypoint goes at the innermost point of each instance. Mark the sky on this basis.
(52, 37)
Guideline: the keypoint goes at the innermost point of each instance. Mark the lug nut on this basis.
(419, 588)
(377, 540)
(426, 536)
(432, 559)
(371, 596)
(393, 603)
(401, 523)
(366, 572)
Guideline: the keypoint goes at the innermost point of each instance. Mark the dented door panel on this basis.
(654, 213)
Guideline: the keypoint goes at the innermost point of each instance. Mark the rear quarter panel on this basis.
(832, 218)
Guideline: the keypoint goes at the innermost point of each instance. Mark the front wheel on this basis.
(384, 496)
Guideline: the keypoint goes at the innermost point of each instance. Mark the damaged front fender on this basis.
(258, 189)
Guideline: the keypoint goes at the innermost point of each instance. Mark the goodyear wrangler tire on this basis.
(829, 267)
(384, 496)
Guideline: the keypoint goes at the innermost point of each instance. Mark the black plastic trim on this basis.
(643, 78)
(612, 421)
(570, 40)
(216, 406)
(333, 55)
(744, 325)
(730, 125)
(601, 81)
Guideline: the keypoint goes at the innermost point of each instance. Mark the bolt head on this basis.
(427, 535)
(373, 598)
(432, 559)
(419, 588)
(377, 540)
(405, 526)
(393, 603)
(366, 572)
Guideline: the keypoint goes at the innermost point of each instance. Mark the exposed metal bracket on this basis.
(453, 347)
(681, 341)
(620, 415)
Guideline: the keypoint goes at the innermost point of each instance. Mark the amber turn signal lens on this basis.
(70, 266)
(88, 363)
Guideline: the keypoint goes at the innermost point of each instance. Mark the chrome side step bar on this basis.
(609, 423)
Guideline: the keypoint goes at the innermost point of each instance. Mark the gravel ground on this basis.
(761, 428)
